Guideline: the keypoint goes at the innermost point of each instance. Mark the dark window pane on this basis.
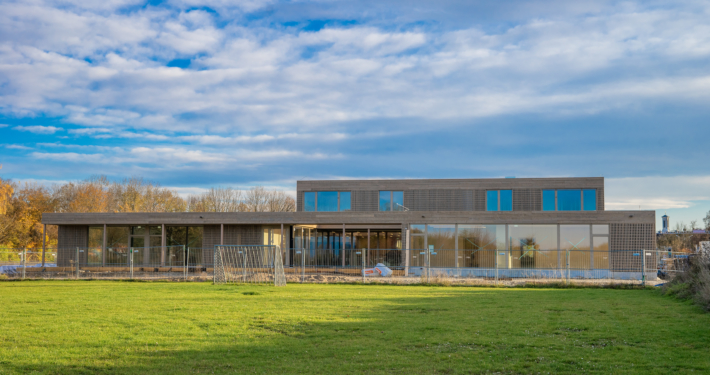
(569, 200)
(548, 200)
(96, 237)
(194, 236)
(327, 201)
(156, 231)
(492, 200)
(385, 201)
(309, 201)
(398, 200)
(117, 237)
(344, 201)
(176, 236)
(590, 200)
(137, 231)
(506, 200)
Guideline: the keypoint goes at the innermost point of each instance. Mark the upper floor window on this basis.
(391, 200)
(569, 200)
(326, 201)
(499, 200)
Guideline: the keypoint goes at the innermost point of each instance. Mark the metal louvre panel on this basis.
(299, 201)
(625, 240)
(600, 199)
(527, 199)
(479, 200)
(439, 200)
(365, 200)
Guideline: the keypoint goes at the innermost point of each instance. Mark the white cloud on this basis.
(4, 126)
(655, 192)
(38, 129)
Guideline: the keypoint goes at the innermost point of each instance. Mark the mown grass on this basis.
(172, 328)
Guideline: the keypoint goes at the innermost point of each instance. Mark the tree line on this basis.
(22, 203)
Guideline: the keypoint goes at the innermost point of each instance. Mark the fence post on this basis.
(567, 262)
(77, 263)
(130, 262)
(428, 264)
(496, 262)
(24, 262)
(187, 259)
(303, 265)
(363, 266)
(643, 268)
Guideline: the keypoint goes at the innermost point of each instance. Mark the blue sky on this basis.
(195, 94)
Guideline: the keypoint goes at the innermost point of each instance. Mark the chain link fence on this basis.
(412, 266)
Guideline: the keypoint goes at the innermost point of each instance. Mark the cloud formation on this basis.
(38, 129)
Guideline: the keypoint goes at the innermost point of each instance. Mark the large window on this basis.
(533, 246)
(391, 201)
(569, 200)
(499, 200)
(326, 201)
(477, 244)
(309, 201)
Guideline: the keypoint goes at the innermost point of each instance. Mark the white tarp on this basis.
(379, 270)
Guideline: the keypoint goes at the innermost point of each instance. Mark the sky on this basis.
(193, 94)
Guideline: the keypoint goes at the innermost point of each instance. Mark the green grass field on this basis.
(155, 328)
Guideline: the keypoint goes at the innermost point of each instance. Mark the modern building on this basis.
(510, 223)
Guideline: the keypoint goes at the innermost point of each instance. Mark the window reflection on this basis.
(590, 199)
(492, 200)
(548, 200)
(327, 201)
(344, 201)
(309, 201)
(533, 246)
(397, 201)
(569, 200)
(506, 200)
(385, 201)
(477, 244)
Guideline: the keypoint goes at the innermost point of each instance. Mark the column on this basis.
(44, 242)
(163, 243)
(221, 234)
(343, 246)
(367, 254)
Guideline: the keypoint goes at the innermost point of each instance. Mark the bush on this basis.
(692, 284)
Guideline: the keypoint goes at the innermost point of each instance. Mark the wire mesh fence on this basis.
(409, 266)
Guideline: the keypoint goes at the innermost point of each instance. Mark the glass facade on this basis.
(569, 200)
(391, 200)
(548, 200)
(385, 201)
(345, 201)
(477, 242)
(590, 199)
(506, 200)
(532, 246)
(492, 200)
(309, 201)
(327, 201)
(397, 201)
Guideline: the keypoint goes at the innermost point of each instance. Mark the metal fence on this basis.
(355, 265)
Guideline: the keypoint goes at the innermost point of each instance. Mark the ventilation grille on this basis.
(439, 200)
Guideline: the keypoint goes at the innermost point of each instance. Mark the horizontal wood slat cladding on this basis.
(527, 199)
(600, 199)
(439, 200)
(479, 200)
(233, 235)
(69, 238)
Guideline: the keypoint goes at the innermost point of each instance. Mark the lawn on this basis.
(155, 328)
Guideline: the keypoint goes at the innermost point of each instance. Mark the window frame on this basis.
(391, 201)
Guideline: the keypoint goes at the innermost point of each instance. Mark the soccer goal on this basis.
(248, 264)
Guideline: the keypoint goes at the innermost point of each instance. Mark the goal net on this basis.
(248, 264)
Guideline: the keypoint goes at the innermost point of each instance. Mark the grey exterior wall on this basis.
(70, 238)
(451, 195)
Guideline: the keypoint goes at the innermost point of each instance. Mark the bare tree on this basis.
(217, 200)
(255, 199)
(279, 201)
